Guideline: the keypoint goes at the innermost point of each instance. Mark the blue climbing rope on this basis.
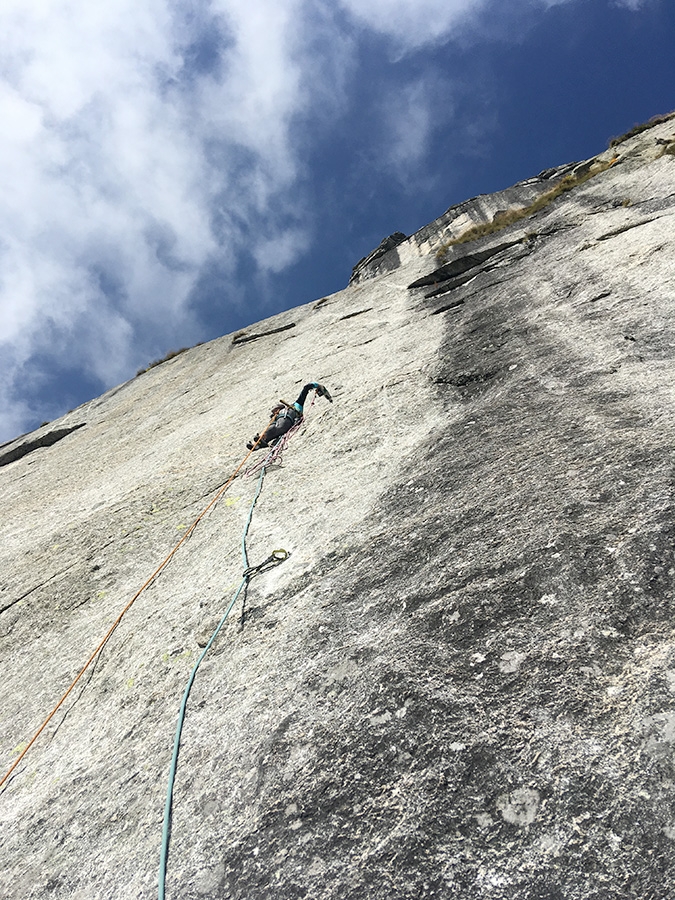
(276, 556)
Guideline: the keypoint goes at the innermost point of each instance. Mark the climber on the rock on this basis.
(286, 415)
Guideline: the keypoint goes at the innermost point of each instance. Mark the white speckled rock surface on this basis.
(461, 683)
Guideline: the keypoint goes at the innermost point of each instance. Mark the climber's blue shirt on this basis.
(298, 405)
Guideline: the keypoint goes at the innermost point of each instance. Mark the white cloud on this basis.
(141, 143)
(410, 123)
(414, 22)
(12, 416)
(280, 250)
(411, 117)
(124, 127)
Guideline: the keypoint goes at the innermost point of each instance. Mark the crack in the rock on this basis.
(359, 312)
(43, 440)
(36, 588)
(455, 283)
(462, 264)
(483, 287)
(452, 284)
(624, 228)
(247, 338)
(448, 306)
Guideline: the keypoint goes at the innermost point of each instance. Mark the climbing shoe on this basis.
(262, 445)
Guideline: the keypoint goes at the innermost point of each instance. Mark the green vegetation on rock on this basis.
(503, 219)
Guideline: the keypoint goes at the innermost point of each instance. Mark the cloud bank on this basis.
(140, 142)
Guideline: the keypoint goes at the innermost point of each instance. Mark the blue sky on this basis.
(174, 170)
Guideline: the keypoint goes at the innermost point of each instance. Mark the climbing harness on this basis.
(275, 455)
(276, 452)
(274, 559)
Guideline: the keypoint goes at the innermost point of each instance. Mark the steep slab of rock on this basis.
(462, 680)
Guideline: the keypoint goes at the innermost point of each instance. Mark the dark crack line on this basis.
(36, 588)
(483, 287)
(624, 228)
(468, 276)
(44, 440)
(463, 264)
(247, 338)
(457, 283)
(359, 312)
(447, 307)
(76, 700)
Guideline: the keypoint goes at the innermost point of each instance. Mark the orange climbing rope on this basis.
(117, 621)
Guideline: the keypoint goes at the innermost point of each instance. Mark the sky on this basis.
(174, 170)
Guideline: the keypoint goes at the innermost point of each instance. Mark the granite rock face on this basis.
(382, 259)
(461, 682)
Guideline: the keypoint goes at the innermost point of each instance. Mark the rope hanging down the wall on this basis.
(117, 621)
(276, 557)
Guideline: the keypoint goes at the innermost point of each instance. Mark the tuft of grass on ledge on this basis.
(507, 217)
(668, 149)
(638, 129)
(158, 362)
